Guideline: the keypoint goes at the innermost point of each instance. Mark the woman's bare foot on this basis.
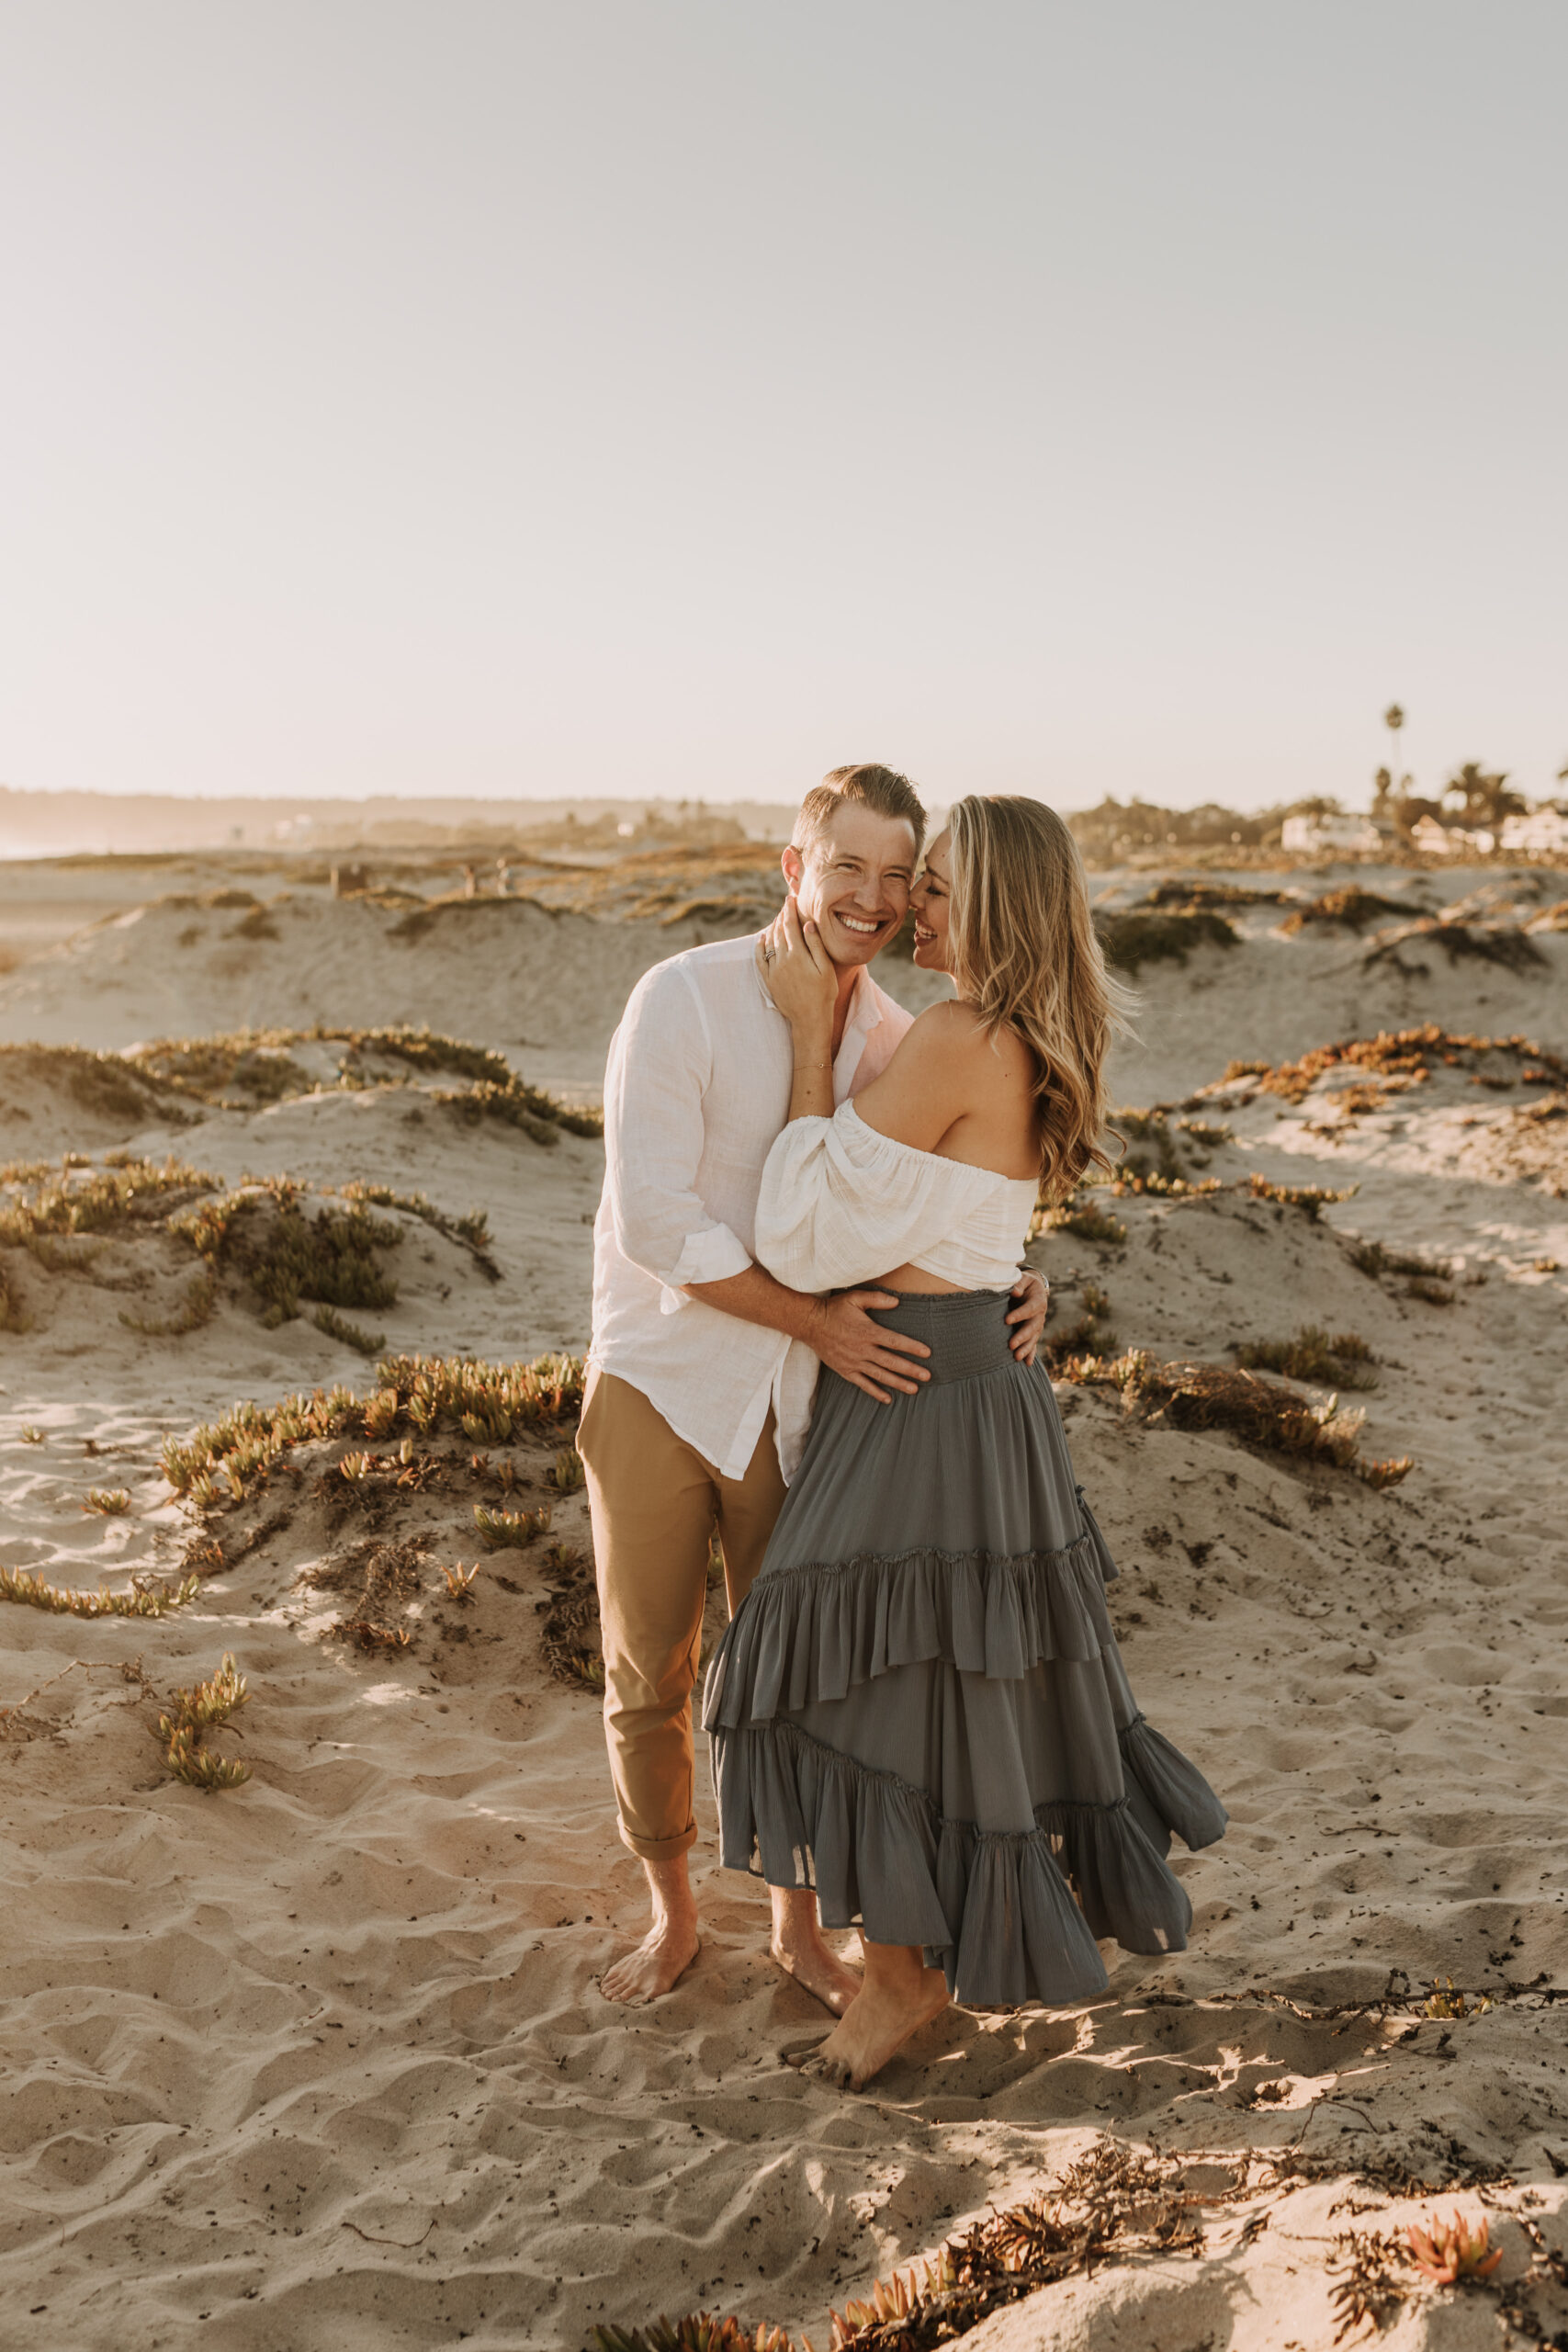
(670, 1944)
(801, 1951)
(879, 2021)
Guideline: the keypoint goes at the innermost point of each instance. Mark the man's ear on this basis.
(794, 866)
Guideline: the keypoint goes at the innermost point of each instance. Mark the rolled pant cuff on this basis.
(659, 1849)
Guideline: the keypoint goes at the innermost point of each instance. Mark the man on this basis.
(693, 1348)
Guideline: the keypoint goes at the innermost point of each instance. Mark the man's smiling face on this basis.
(853, 881)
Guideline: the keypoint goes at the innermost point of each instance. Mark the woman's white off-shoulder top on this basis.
(841, 1204)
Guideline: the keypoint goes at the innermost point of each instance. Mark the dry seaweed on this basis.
(1373, 2280)
(1411, 1055)
(1503, 943)
(570, 1637)
(1351, 907)
(1135, 937)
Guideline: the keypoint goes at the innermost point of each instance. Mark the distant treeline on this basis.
(1118, 826)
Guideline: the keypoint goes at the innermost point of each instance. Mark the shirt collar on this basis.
(866, 1001)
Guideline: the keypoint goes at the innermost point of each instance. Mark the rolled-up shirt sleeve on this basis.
(661, 1065)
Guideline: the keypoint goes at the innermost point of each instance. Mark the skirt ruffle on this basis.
(920, 1710)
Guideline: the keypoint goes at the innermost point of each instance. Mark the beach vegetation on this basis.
(1207, 1133)
(377, 1581)
(1154, 1146)
(1503, 943)
(570, 1637)
(1313, 1199)
(1370, 2271)
(30, 1435)
(107, 1085)
(351, 1335)
(366, 1636)
(1448, 2252)
(1112, 2204)
(1138, 935)
(1443, 2001)
(108, 1200)
(13, 1316)
(200, 1298)
(499, 1529)
(567, 1471)
(459, 1582)
(328, 1257)
(1083, 1218)
(472, 1229)
(697, 2332)
(1176, 891)
(1410, 1055)
(196, 1713)
(1222, 1396)
(1423, 1278)
(1089, 1334)
(109, 1502)
(148, 1597)
(1349, 906)
(257, 925)
(539, 1115)
(430, 1393)
(245, 1067)
(1340, 1358)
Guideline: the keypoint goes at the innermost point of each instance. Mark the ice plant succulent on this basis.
(1448, 2252)
(197, 1710)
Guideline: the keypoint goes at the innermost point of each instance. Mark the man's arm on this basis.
(653, 1141)
(659, 1068)
(840, 1329)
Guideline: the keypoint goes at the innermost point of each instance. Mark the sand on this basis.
(321, 2059)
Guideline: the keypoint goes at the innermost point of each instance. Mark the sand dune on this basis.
(546, 985)
(321, 2061)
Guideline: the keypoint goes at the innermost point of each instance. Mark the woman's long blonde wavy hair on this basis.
(1025, 953)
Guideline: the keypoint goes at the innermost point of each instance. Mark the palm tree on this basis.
(1394, 720)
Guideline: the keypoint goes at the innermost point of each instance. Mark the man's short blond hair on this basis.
(867, 786)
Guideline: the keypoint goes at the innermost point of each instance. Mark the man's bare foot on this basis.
(656, 1966)
(814, 1964)
(878, 2022)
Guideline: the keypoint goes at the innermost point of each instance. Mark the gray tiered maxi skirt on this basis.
(920, 1710)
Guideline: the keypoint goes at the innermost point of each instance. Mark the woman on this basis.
(919, 1708)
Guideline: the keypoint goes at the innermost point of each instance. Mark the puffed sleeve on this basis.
(841, 1205)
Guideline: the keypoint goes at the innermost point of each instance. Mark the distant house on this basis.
(1543, 828)
(1452, 841)
(1347, 836)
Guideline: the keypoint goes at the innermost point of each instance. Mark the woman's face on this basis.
(930, 900)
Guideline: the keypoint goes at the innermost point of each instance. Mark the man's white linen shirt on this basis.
(697, 1090)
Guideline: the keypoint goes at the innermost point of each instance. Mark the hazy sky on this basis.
(683, 396)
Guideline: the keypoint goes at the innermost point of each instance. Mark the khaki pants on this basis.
(655, 1502)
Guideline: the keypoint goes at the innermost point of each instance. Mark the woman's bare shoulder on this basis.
(953, 1033)
(940, 1036)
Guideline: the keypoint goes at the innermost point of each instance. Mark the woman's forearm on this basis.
(811, 1091)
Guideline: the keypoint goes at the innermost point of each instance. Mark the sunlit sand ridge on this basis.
(318, 2059)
